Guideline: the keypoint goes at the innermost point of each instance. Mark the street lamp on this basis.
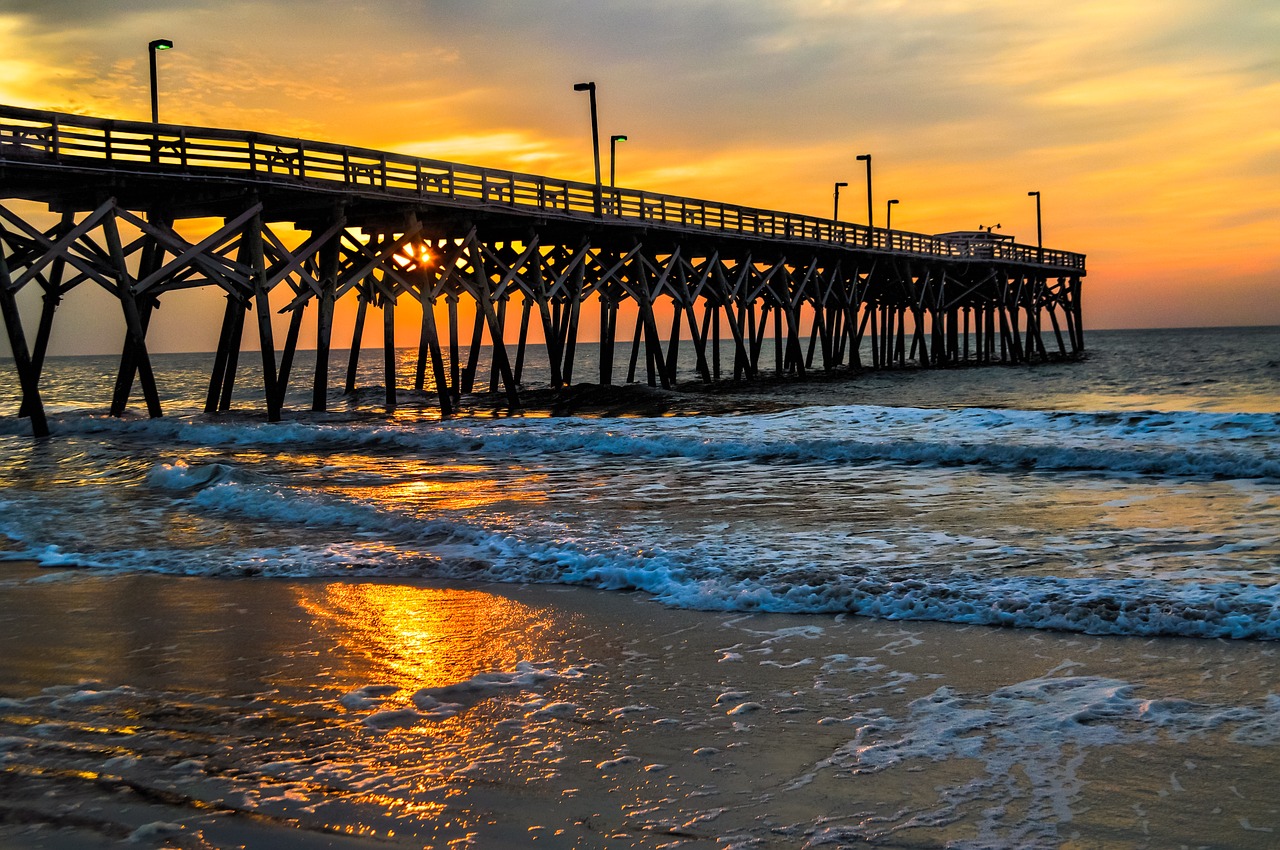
(835, 212)
(866, 157)
(888, 213)
(595, 134)
(613, 157)
(1039, 234)
(158, 44)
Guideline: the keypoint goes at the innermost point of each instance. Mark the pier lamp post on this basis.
(866, 157)
(888, 214)
(835, 211)
(614, 200)
(158, 44)
(613, 158)
(595, 134)
(1039, 233)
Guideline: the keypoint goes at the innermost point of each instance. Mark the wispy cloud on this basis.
(1147, 124)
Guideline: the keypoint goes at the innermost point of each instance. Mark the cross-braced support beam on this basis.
(824, 310)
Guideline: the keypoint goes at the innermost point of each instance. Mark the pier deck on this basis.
(380, 226)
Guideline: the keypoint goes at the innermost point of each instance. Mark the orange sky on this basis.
(1149, 126)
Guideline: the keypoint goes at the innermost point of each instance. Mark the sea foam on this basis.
(337, 535)
(1182, 444)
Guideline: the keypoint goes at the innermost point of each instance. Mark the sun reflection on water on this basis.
(415, 486)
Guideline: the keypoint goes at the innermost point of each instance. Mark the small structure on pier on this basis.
(381, 227)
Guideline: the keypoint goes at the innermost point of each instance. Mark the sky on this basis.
(1150, 127)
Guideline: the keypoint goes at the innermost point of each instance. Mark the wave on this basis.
(1185, 444)
(402, 545)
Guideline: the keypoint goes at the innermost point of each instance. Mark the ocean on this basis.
(1005, 606)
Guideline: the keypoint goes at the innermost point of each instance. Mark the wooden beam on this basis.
(136, 333)
(329, 256)
(28, 379)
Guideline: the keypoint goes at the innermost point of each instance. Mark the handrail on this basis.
(32, 134)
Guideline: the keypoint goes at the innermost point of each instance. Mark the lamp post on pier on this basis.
(595, 135)
(613, 158)
(866, 157)
(888, 214)
(835, 212)
(158, 44)
(1039, 233)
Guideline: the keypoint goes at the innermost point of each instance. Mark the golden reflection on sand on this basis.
(420, 637)
(413, 637)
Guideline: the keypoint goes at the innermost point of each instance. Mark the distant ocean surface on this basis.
(1134, 493)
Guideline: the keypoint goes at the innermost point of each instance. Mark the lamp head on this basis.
(583, 86)
(841, 184)
(1033, 194)
(161, 44)
(617, 138)
(864, 157)
(894, 201)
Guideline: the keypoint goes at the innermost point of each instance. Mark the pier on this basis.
(796, 293)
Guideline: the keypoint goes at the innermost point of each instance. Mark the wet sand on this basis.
(224, 713)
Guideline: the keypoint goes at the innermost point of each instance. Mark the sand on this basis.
(196, 712)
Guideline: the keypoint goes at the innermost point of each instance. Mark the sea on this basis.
(845, 538)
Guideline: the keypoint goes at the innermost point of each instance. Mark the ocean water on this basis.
(1126, 506)
(1137, 492)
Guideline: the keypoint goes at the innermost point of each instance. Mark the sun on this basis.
(414, 256)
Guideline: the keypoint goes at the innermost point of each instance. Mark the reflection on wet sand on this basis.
(402, 653)
(420, 637)
(237, 713)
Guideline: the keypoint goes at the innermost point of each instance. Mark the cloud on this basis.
(1146, 124)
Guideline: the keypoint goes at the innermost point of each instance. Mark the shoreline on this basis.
(515, 712)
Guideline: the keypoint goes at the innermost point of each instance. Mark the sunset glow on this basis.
(1148, 128)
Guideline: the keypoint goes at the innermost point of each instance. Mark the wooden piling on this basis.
(27, 377)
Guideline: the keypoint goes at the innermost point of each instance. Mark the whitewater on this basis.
(1114, 521)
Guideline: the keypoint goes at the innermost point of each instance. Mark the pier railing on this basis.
(36, 136)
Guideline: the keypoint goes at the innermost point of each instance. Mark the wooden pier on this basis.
(796, 292)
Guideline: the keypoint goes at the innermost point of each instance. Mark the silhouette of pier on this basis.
(380, 227)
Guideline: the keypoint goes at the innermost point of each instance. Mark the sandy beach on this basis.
(196, 712)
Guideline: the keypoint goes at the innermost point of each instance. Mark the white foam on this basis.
(555, 710)
(441, 702)
(622, 711)
(1193, 444)
(392, 718)
(367, 697)
(157, 831)
(433, 546)
(1030, 737)
(861, 574)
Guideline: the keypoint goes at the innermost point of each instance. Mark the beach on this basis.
(972, 608)
(199, 712)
